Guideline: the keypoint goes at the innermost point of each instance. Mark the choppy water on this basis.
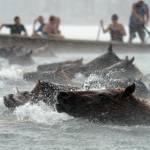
(37, 127)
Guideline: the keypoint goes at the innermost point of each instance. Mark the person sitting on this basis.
(51, 29)
(116, 29)
(138, 19)
(17, 28)
(40, 29)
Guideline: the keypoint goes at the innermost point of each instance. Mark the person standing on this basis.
(138, 19)
(116, 29)
(17, 28)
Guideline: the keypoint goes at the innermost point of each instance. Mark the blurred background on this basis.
(79, 18)
(72, 12)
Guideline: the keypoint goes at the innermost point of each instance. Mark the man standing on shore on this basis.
(139, 18)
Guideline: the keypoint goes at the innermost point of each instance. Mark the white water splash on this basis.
(11, 72)
(95, 80)
(40, 113)
(1, 102)
(79, 79)
(103, 80)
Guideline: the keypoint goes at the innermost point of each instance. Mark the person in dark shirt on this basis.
(17, 28)
(116, 29)
(138, 19)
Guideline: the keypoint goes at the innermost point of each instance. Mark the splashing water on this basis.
(11, 72)
(40, 113)
(40, 127)
(93, 78)
(102, 80)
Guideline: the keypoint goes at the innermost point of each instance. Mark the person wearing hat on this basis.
(138, 19)
(116, 29)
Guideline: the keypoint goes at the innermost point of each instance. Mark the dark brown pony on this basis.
(116, 106)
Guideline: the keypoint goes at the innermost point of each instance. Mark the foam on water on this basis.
(97, 80)
(1, 103)
(94, 81)
(79, 78)
(11, 72)
(40, 113)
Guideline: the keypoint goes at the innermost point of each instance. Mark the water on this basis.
(32, 127)
(38, 127)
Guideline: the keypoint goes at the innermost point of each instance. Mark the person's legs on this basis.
(132, 34)
(141, 33)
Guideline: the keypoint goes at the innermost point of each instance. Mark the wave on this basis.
(40, 113)
(11, 72)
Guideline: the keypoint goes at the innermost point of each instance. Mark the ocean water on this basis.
(38, 127)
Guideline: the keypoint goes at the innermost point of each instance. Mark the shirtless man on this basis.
(116, 29)
(51, 29)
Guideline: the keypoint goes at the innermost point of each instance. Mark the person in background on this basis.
(138, 19)
(40, 29)
(51, 29)
(17, 28)
(116, 29)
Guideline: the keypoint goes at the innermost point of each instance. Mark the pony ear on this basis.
(132, 60)
(129, 90)
(126, 58)
(30, 52)
(110, 48)
(39, 82)
(17, 90)
(81, 60)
